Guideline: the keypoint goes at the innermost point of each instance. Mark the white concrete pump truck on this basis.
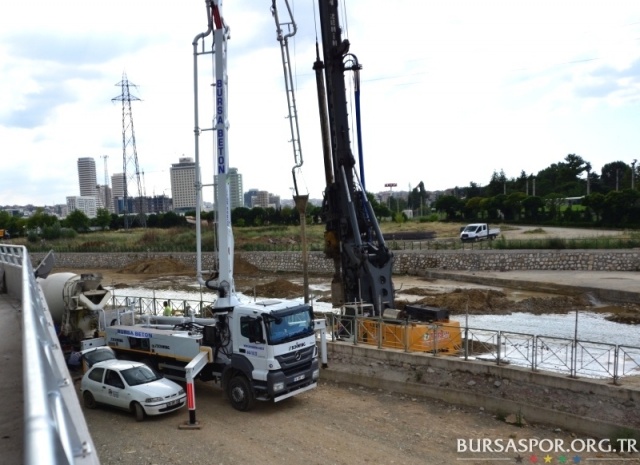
(264, 350)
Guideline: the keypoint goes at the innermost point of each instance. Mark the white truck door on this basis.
(252, 343)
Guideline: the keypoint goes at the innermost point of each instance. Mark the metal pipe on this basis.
(197, 131)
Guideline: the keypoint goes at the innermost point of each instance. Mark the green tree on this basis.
(497, 184)
(5, 217)
(103, 218)
(595, 203)
(553, 203)
(533, 207)
(621, 207)
(78, 221)
(513, 205)
(172, 220)
(450, 205)
(40, 219)
(473, 208)
(615, 176)
(418, 198)
(380, 210)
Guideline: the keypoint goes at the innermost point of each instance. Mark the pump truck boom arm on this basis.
(362, 261)
(262, 350)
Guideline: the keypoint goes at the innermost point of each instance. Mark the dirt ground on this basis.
(457, 297)
(336, 423)
(333, 424)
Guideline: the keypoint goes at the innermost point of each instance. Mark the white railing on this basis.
(55, 430)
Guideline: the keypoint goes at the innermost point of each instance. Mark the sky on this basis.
(451, 90)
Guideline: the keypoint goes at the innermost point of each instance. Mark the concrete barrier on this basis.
(584, 406)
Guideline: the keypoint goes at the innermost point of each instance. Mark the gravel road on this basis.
(334, 424)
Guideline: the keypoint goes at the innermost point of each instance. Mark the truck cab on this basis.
(274, 346)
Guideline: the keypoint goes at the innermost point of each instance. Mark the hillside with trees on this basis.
(569, 192)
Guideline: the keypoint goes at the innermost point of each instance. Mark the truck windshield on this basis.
(290, 324)
(470, 228)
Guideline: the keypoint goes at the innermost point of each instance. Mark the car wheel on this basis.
(89, 400)
(138, 411)
(240, 393)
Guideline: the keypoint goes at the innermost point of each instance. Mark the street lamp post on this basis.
(391, 185)
(633, 172)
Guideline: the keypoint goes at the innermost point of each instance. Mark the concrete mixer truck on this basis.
(76, 303)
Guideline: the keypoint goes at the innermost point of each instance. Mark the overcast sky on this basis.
(451, 90)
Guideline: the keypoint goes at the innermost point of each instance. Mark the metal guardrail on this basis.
(570, 356)
(573, 357)
(55, 430)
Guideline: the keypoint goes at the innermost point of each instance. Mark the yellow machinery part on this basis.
(415, 337)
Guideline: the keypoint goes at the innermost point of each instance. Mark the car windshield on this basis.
(139, 375)
(289, 325)
(100, 355)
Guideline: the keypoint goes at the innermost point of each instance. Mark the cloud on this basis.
(79, 50)
(606, 82)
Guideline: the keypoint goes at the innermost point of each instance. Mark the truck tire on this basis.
(240, 393)
(138, 411)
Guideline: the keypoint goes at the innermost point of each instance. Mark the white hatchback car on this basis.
(131, 386)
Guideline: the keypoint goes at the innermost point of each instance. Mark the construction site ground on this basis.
(341, 423)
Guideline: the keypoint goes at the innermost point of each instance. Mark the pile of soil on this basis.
(244, 268)
(279, 288)
(156, 266)
(483, 302)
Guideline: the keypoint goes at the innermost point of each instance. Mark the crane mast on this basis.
(353, 239)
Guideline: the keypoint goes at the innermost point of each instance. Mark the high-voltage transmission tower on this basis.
(130, 168)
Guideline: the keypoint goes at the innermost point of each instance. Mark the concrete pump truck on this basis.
(264, 350)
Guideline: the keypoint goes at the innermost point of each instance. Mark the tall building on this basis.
(117, 192)
(87, 179)
(249, 196)
(87, 176)
(183, 184)
(105, 197)
(86, 204)
(274, 201)
(261, 199)
(235, 188)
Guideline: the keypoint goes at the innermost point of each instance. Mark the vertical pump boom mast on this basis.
(223, 281)
(363, 263)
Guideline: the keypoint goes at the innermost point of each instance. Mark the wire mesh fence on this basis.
(569, 356)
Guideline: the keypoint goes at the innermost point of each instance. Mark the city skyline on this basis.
(450, 92)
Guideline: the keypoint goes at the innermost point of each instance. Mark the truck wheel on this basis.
(89, 400)
(240, 393)
(138, 411)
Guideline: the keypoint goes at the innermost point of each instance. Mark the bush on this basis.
(51, 232)
(68, 233)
